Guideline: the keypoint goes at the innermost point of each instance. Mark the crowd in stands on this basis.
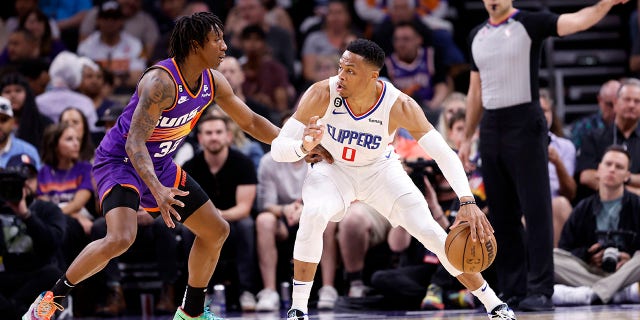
(68, 67)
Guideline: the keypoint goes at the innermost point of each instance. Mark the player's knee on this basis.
(222, 233)
(118, 243)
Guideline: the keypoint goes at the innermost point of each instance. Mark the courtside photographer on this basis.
(31, 233)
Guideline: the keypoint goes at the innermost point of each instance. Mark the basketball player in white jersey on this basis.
(354, 115)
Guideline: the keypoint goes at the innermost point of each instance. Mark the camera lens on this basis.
(610, 259)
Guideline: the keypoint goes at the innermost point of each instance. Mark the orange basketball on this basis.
(466, 255)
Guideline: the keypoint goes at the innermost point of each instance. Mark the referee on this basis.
(505, 57)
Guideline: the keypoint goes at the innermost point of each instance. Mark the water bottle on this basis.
(285, 295)
(219, 300)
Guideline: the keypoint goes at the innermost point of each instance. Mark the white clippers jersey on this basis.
(358, 140)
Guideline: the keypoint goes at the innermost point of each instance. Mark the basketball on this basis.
(466, 255)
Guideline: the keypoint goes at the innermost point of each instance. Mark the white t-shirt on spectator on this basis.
(125, 56)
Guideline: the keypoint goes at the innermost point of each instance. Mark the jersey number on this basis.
(167, 147)
(348, 154)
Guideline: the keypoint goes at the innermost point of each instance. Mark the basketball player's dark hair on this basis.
(192, 31)
(369, 50)
(619, 148)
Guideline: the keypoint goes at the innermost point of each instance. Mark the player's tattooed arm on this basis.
(157, 93)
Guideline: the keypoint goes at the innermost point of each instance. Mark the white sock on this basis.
(487, 296)
(300, 296)
(628, 294)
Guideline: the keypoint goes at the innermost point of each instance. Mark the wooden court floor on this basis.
(620, 312)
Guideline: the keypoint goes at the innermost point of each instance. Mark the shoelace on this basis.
(47, 307)
(502, 314)
(210, 315)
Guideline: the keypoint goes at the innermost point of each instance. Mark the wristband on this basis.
(464, 203)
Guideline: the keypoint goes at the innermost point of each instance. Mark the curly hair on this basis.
(192, 31)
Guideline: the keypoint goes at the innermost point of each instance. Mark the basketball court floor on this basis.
(621, 312)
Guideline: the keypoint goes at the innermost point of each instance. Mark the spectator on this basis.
(68, 15)
(323, 47)
(22, 8)
(36, 71)
(408, 11)
(416, 69)
(598, 257)
(265, 79)
(229, 176)
(21, 45)
(95, 85)
(67, 182)
(10, 145)
(29, 256)
(109, 117)
(562, 164)
(623, 131)
(75, 119)
(452, 104)
(166, 15)
(29, 121)
(277, 15)
(604, 117)
(37, 22)
(514, 140)
(66, 76)
(113, 48)
(280, 43)
(634, 22)
(137, 23)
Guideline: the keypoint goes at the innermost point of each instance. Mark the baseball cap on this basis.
(110, 9)
(5, 107)
(21, 162)
(110, 114)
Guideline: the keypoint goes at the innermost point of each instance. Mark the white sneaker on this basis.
(628, 294)
(571, 296)
(268, 300)
(247, 301)
(327, 297)
(358, 290)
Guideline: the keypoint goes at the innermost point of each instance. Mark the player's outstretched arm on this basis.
(406, 113)
(157, 93)
(249, 121)
(570, 23)
(303, 132)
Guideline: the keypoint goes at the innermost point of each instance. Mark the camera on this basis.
(613, 241)
(11, 185)
(422, 167)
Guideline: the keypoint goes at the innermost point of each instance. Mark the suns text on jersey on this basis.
(169, 122)
(346, 136)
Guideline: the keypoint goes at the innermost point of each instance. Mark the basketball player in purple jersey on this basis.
(133, 164)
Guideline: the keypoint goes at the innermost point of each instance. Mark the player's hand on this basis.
(464, 153)
(312, 133)
(165, 199)
(317, 154)
(478, 222)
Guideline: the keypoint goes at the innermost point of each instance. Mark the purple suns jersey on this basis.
(173, 125)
